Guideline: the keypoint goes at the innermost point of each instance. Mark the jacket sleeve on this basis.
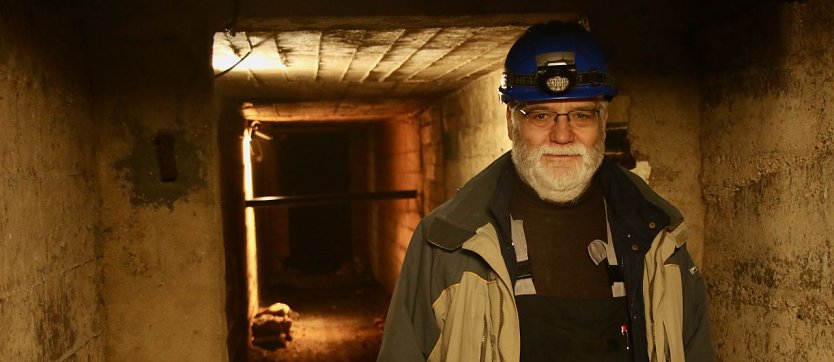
(696, 330)
(410, 327)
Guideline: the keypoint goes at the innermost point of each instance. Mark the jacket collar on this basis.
(484, 199)
(457, 220)
(631, 197)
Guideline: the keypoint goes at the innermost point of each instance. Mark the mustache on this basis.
(569, 150)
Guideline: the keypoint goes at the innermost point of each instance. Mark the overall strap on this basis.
(597, 250)
(605, 252)
(523, 284)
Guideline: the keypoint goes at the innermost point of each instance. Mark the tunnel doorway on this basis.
(314, 201)
(309, 171)
(319, 235)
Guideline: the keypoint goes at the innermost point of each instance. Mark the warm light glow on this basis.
(223, 61)
(263, 62)
(251, 241)
(264, 57)
(248, 189)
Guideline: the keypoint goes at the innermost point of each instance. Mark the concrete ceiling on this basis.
(371, 71)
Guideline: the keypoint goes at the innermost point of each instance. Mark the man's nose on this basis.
(561, 132)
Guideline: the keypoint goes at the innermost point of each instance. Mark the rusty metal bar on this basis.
(324, 199)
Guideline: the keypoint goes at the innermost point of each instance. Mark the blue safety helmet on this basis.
(555, 61)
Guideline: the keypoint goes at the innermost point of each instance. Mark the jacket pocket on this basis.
(463, 320)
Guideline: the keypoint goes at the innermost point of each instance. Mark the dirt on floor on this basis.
(330, 323)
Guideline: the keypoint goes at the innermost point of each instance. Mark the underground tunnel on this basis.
(344, 143)
(170, 170)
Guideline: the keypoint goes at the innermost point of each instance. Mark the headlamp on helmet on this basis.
(556, 72)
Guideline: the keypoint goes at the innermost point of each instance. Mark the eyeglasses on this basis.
(577, 118)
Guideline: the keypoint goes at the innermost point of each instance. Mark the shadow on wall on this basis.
(734, 36)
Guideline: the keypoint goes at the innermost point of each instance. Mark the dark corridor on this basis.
(319, 235)
(304, 238)
(309, 256)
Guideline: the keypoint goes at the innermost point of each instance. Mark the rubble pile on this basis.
(271, 327)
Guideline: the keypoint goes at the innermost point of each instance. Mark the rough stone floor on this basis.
(341, 323)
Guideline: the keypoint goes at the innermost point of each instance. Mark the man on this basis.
(551, 253)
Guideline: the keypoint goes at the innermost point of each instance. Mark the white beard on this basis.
(552, 183)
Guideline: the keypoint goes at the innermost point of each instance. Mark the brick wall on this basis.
(50, 258)
(431, 144)
(397, 163)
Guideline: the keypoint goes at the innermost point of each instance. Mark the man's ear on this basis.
(509, 122)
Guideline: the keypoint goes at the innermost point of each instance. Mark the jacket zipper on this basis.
(500, 322)
(629, 305)
(483, 341)
(650, 317)
(627, 280)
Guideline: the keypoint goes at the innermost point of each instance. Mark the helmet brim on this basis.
(533, 94)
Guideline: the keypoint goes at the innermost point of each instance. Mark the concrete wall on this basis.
(397, 164)
(474, 129)
(101, 259)
(229, 132)
(161, 240)
(432, 159)
(767, 147)
(50, 279)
